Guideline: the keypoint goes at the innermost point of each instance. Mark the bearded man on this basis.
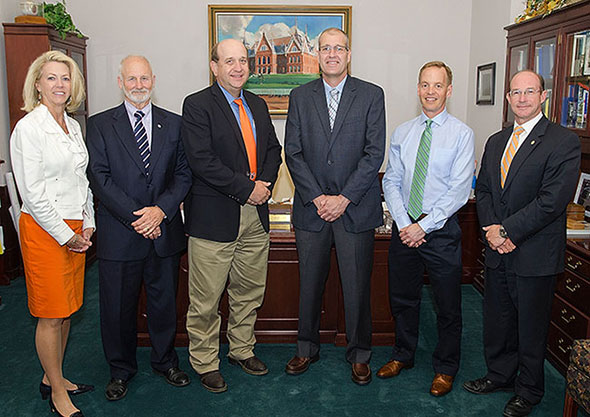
(139, 173)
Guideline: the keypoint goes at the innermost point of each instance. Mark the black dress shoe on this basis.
(116, 389)
(213, 381)
(485, 386)
(252, 365)
(518, 407)
(175, 376)
(54, 410)
(45, 390)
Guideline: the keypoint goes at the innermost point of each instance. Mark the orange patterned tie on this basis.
(509, 154)
(248, 136)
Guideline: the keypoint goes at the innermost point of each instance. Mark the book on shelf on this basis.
(578, 52)
(582, 109)
(574, 108)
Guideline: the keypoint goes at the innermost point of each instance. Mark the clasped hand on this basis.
(260, 194)
(498, 243)
(331, 207)
(148, 224)
(80, 242)
(412, 235)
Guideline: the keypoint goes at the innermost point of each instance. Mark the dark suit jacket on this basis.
(217, 156)
(345, 161)
(117, 177)
(532, 206)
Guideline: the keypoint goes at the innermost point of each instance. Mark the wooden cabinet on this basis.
(570, 315)
(570, 312)
(557, 47)
(23, 43)
(278, 317)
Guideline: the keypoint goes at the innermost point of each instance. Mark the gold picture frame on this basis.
(281, 43)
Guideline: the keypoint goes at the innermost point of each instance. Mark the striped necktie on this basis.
(420, 170)
(509, 154)
(141, 139)
(248, 137)
(333, 106)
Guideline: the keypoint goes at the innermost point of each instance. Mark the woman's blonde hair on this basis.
(31, 96)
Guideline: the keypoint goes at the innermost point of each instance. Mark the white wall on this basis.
(488, 44)
(391, 39)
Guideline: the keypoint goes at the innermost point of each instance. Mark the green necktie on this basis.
(420, 170)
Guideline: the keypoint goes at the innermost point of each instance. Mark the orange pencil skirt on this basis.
(54, 274)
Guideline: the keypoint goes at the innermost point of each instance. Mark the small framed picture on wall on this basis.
(486, 84)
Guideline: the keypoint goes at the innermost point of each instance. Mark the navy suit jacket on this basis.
(117, 177)
(344, 161)
(532, 205)
(217, 157)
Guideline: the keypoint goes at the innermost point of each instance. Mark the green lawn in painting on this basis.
(278, 81)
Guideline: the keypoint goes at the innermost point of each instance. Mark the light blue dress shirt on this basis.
(147, 118)
(236, 109)
(339, 87)
(450, 170)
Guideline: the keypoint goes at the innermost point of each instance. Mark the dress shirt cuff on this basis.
(64, 236)
(403, 221)
(427, 224)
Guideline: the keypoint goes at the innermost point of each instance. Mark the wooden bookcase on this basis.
(550, 46)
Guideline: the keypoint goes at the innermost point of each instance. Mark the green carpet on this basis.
(325, 390)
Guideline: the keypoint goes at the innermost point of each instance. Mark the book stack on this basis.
(574, 109)
(280, 217)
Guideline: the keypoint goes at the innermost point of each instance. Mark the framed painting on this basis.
(486, 84)
(282, 44)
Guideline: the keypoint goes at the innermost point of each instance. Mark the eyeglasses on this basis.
(528, 92)
(339, 49)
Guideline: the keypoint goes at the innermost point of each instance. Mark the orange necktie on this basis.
(509, 155)
(248, 136)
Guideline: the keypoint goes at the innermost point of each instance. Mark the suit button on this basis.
(503, 203)
(330, 162)
(328, 189)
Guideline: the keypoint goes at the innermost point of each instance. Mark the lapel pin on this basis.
(532, 142)
(159, 126)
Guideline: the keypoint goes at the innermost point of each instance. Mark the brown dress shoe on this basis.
(298, 365)
(252, 365)
(213, 381)
(393, 368)
(441, 385)
(361, 373)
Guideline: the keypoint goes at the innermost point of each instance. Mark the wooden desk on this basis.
(278, 316)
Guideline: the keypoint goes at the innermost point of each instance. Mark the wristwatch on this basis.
(502, 232)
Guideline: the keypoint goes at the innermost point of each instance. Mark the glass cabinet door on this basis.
(574, 106)
(544, 63)
(519, 58)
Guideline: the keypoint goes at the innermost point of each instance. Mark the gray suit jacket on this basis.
(345, 161)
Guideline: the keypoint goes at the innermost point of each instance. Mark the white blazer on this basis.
(50, 171)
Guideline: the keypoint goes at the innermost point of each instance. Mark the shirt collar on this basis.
(528, 126)
(229, 97)
(438, 120)
(339, 87)
(131, 109)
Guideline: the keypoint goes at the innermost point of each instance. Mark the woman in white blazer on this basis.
(49, 160)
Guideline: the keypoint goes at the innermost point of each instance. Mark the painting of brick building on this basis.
(294, 54)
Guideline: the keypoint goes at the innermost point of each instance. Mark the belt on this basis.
(420, 217)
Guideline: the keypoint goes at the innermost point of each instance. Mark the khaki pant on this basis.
(244, 262)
